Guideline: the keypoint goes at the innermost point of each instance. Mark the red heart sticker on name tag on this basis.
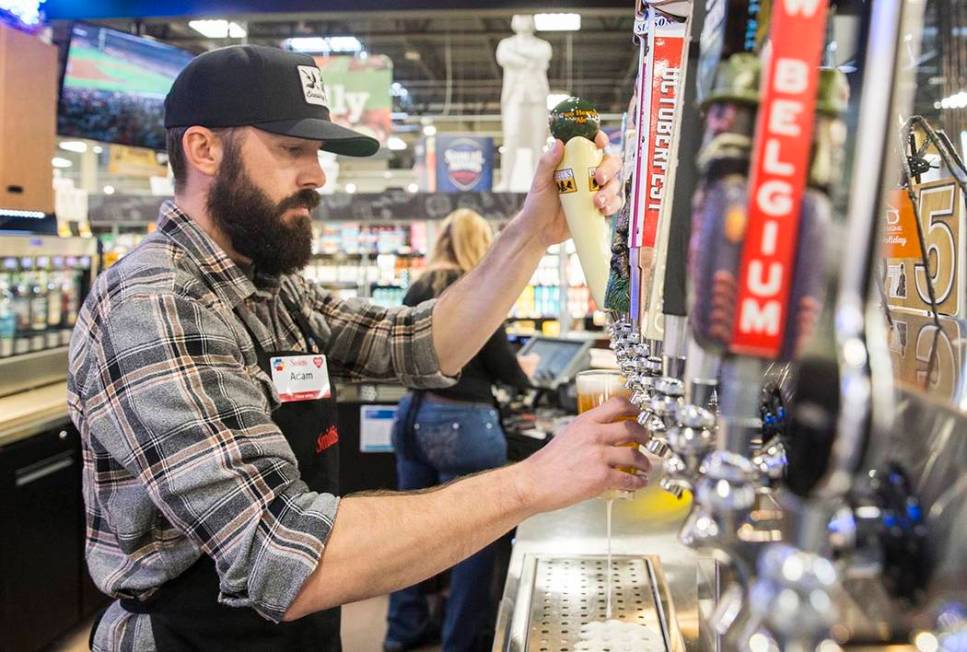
(318, 362)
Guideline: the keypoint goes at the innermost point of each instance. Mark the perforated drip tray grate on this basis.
(568, 608)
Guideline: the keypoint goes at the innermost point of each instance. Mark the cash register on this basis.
(531, 419)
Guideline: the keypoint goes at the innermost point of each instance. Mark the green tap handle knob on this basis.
(574, 117)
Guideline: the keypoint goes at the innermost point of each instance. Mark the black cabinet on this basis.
(360, 471)
(41, 529)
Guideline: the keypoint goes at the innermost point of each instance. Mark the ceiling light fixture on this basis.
(78, 146)
(323, 44)
(557, 22)
(955, 101)
(218, 28)
(12, 212)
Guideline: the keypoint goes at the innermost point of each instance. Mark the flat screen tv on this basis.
(114, 86)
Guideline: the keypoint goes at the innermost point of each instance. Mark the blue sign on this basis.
(376, 428)
(464, 163)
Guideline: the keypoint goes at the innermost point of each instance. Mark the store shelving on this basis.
(379, 261)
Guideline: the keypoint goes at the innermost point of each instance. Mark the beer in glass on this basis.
(595, 387)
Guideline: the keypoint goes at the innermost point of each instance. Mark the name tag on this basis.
(301, 377)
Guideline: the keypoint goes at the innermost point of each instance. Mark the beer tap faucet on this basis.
(662, 412)
(725, 486)
(688, 442)
(642, 382)
(629, 353)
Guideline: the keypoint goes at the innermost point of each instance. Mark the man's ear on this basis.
(203, 150)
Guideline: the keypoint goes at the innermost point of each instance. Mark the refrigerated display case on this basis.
(43, 281)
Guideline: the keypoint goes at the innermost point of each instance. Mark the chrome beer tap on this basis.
(662, 412)
(688, 442)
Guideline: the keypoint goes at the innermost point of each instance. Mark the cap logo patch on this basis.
(312, 88)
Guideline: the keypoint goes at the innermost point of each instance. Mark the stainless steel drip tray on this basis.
(562, 601)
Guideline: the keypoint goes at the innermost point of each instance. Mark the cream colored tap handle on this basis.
(589, 228)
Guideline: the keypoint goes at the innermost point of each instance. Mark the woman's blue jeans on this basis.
(449, 440)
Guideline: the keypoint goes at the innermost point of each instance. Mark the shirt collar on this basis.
(222, 273)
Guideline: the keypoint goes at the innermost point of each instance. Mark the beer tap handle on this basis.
(807, 442)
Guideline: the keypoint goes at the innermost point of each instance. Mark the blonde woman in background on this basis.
(440, 435)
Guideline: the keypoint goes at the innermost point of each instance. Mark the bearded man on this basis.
(201, 380)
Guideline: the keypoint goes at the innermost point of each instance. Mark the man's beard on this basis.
(254, 224)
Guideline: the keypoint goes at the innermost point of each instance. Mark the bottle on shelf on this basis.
(8, 319)
(69, 293)
(21, 305)
(38, 306)
(55, 303)
(71, 290)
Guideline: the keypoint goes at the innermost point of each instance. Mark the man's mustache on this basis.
(305, 198)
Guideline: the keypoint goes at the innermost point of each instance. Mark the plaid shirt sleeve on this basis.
(369, 342)
(169, 396)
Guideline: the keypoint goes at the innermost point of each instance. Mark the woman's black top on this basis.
(495, 362)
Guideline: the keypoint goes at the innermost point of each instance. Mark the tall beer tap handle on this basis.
(811, 427)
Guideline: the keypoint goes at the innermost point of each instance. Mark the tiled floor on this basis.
(363, 627)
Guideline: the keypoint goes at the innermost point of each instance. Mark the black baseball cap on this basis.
(257, 86)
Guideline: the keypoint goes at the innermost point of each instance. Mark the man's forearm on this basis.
(387, 542)
(471, 310)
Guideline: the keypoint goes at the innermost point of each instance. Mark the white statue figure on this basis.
(523, 103)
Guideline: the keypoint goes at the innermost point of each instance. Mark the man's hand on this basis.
(472, 308)
(583, 460)
(542, 208)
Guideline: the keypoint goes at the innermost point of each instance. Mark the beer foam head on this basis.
(601, 382)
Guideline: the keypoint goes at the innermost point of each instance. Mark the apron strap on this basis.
(300, 321)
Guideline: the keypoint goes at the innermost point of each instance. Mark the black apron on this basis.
(185, 612)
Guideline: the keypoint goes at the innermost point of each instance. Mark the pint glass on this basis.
(595, 387)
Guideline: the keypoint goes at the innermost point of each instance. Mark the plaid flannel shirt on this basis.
(181, 457)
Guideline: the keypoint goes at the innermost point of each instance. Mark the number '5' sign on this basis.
(941, 215)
